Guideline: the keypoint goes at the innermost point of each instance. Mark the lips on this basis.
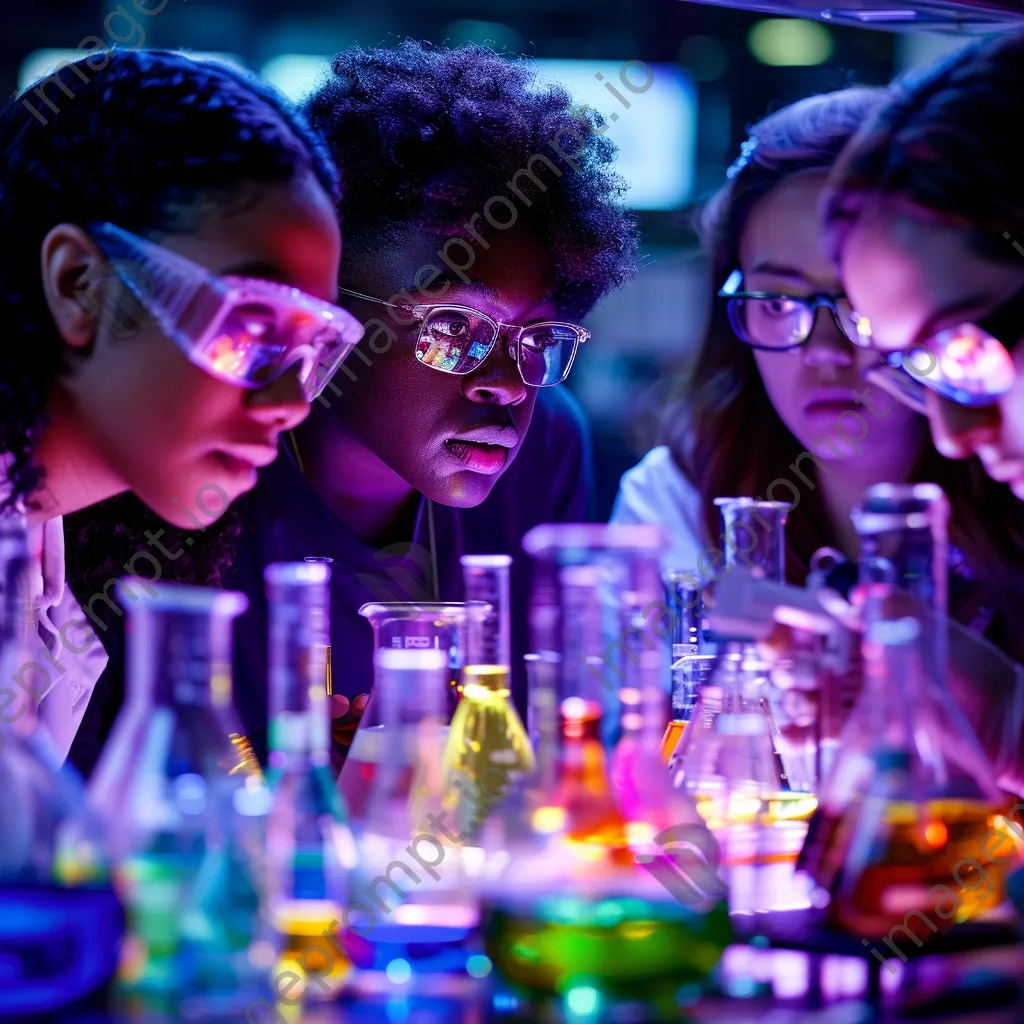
(478, 457)
(830, 400)
(256, 455)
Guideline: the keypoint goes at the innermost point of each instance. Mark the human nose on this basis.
(281, 403)
(827, 346)
(958, 432)
(497, 380)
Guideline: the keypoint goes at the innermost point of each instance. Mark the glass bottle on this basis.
(310, 848)
(903, 532)
(184, 809)
(576, 905)
(486, 734)
(898, 838)
(686, 604)
(415, 896)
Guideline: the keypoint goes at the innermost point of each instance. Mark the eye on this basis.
(779, 306)
(449, 327)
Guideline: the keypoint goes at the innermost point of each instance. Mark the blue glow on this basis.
(656, 134)
(478, 966)
(582, 1000)
(399, 972)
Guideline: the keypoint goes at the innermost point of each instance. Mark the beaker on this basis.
(310, 848)
(576, 905)
(184, 807)
(753, 535)
(487, 735)
(393, 782)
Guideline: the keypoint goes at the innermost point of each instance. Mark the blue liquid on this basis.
(57, 946)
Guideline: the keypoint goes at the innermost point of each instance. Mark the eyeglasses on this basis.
(457, 339)
(966, 364)
(778, 322)
(244, 331)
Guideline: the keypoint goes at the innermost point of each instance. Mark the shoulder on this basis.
(657, 491)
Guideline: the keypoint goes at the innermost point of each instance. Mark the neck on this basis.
(365, 494)
(844, 485)
(77, 475)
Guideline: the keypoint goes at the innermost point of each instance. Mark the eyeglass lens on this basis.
(783, 322)
(457, 341)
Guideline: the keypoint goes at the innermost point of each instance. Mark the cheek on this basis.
(779, 373)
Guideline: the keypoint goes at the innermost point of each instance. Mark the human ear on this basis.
(81, 287)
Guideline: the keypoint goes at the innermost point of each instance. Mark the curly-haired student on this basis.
(481, 205)
(139, 216)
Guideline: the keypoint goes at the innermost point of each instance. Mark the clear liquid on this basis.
(396, 796)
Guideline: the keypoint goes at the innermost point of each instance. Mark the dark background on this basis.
(645, 334)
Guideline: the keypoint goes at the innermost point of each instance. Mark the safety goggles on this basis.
(457, 339)
(243, 331)
(967, 364)
(777, 322)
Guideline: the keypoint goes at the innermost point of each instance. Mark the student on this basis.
(777, 407)
(440, 438)
(166, 182)
(925, 220)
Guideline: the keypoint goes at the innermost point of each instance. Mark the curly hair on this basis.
(725, 434)
(426, 136)
(144, 141)
(944, 142)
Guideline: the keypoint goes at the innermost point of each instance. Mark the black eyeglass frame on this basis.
(422, 311)
(812, 303)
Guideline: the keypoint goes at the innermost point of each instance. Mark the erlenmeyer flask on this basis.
(487, 734)
(393, 782)
(310, 848)
(686, 603)
(575, 905)
(184, 809)
(899, 838)
(57, 945)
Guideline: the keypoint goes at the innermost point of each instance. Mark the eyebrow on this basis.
(263, 269)
(778, 270)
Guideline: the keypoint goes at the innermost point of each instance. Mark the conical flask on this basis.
(486, 734)
(415, 893)
(902, 835)
(310, 848)
(184, 808)
(57, 945)
(575, 905)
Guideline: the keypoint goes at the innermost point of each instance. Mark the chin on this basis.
(463, 490)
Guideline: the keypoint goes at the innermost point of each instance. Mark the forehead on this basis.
(782, 229)
(901, 267)
(288, 232)
(509, 273)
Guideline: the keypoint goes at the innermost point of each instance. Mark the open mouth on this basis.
(477, 456)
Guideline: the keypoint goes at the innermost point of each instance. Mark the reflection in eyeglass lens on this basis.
(454, 341)
(545, 352)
